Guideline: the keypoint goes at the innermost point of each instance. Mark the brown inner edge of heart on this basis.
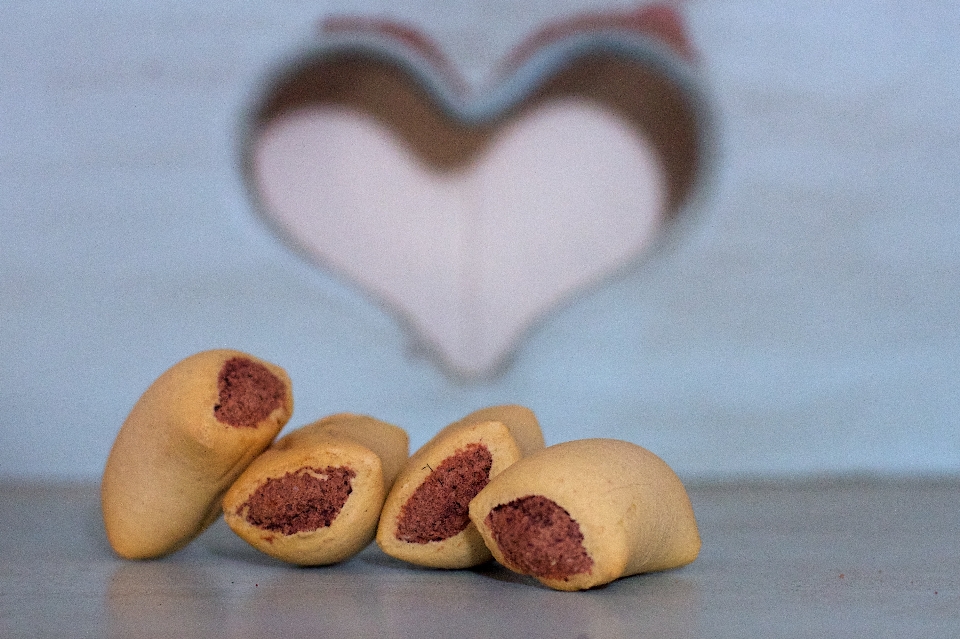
(649, 101)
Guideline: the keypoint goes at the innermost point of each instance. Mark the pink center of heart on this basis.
(474, 254)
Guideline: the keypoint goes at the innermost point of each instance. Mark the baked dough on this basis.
(314, 497)
(425, 519)
(584, 513)
(190, 434)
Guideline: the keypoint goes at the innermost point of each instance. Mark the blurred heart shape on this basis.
(473, 214)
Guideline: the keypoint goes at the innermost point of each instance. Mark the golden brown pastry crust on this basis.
(630, 514)
(190, 434)
(464, 454)
(346, 462)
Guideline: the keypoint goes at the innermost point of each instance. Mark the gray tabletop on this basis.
(814, 559)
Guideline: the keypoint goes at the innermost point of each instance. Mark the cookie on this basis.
(314, 497)
(187, 438)
(584, 513)
(425, 519)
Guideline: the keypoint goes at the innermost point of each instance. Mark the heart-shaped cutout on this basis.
(472, 215)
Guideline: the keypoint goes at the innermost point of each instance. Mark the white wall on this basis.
(806, 322)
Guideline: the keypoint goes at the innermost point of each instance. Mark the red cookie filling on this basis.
(438, 508)
(305, 500)
(249, 392)
(537, 537)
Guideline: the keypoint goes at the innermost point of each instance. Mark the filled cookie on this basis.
(584, 513)
(187, 438)
(425, 520)
(314, 497)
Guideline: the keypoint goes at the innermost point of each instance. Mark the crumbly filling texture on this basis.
(438, 508)
(305, 500)
(248, 393)
(537, 537)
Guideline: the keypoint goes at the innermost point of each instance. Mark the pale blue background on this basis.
(805, 322)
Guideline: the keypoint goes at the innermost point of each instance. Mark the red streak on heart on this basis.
(658, 21)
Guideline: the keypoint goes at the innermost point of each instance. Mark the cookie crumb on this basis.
(539, 538)
(249, 392)
(438, 508)
(301, 501)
